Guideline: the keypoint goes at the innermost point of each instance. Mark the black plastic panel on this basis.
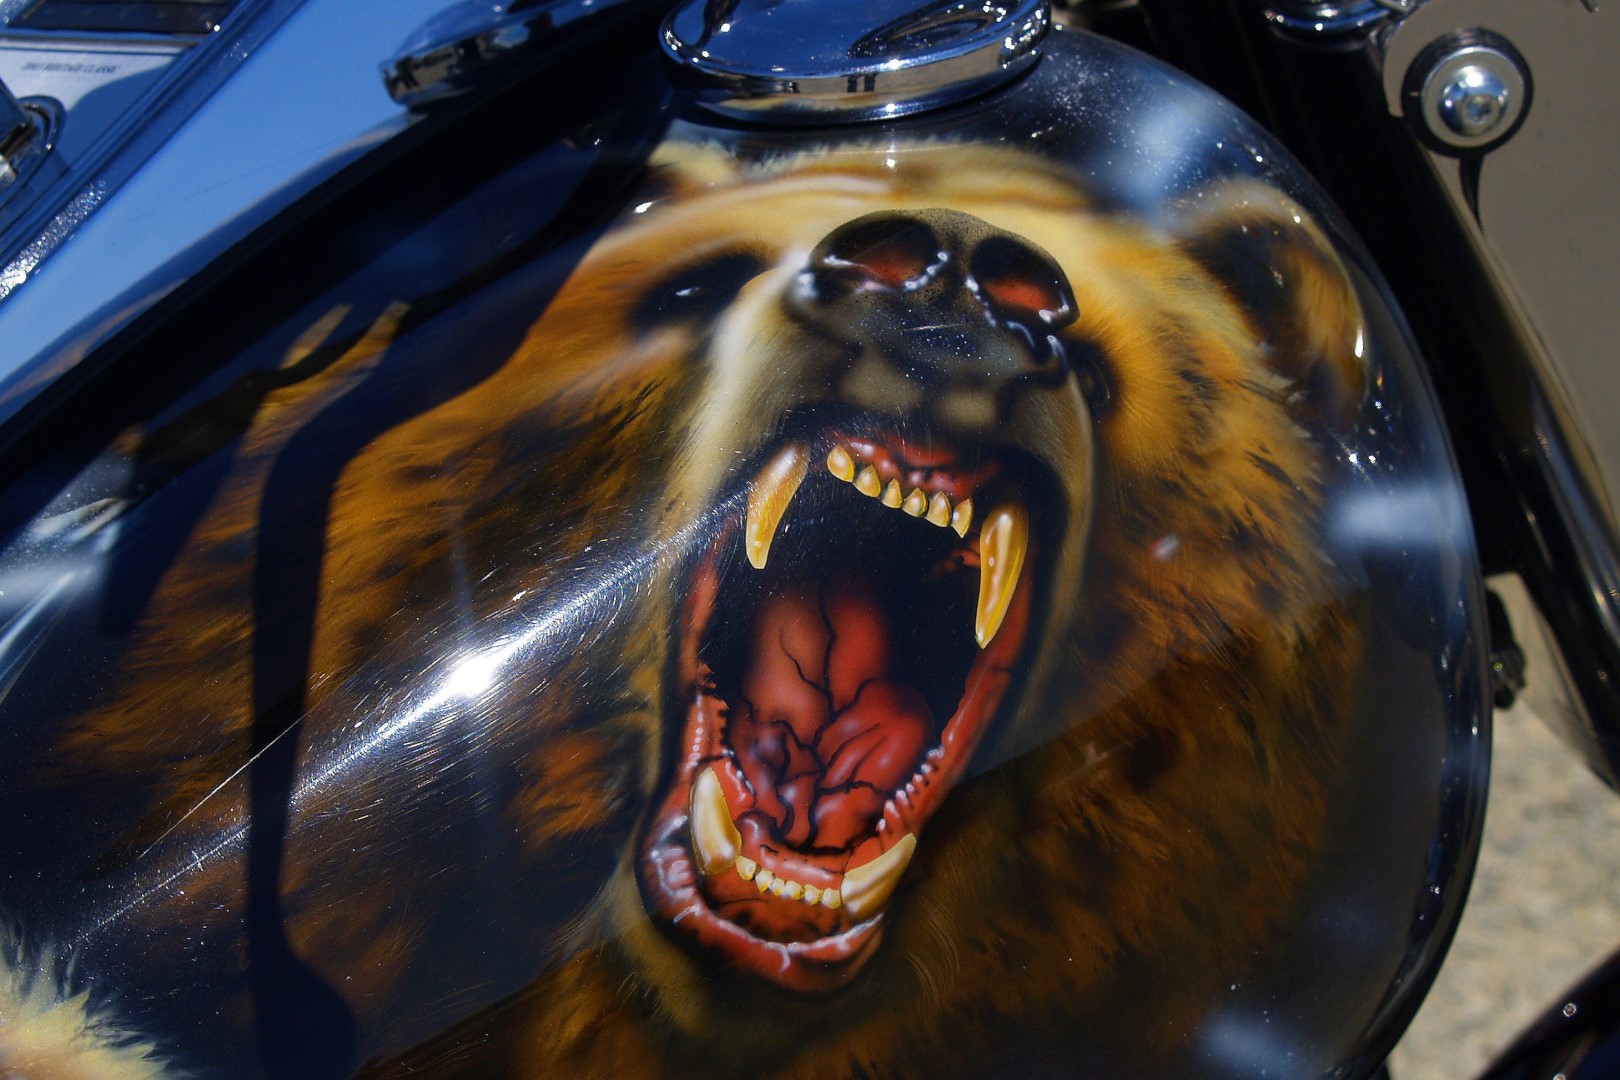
(126, 16)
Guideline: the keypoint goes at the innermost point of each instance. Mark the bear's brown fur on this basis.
(1151, 795)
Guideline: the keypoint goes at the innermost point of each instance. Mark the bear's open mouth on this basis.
(841, 651)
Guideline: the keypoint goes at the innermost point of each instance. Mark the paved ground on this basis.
(1545, 905)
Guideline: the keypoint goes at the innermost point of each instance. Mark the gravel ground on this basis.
(1544, 908)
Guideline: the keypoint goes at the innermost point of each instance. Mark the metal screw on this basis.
(1473, 94)
(16, 132)
(1474, 102)
(26, 130)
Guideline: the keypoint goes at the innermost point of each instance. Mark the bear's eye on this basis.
(696, 291)
(1022, 283)
(1094, 375)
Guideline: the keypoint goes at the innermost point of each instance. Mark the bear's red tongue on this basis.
(824, 732)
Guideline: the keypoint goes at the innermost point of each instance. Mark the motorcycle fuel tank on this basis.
(929, 555)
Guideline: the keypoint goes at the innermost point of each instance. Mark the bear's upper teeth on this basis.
(1003, 543)
(935, 509)
(768, 498)
(1003, 535)
(961, 517)
(841, 464)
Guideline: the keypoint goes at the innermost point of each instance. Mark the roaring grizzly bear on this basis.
(878, 614)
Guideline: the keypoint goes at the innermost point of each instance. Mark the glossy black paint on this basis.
(1534, 511)
(414, 220)
(1577, 1038)
(125, 16)
(1338, 986)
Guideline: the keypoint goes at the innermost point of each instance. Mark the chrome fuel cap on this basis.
(808, 61)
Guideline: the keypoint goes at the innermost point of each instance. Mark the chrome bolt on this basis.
(1472, 95)
(26, 130)
(1474, 102)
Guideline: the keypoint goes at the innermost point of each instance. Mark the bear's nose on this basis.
(880, 252)
(941, 296)
(1019, 283)
(934, 252)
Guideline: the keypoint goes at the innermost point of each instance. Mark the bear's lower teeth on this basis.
(863, 890)
(715, 840)
(765, 881)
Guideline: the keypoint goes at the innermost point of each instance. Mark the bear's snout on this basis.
(944, 297)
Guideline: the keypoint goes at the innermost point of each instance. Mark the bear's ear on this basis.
(1282, 271)
(680, 168)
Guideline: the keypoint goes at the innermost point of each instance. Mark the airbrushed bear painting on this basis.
(875, 622)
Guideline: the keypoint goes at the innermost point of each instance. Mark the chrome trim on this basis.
(477, 41)
(812, 64)
(210, 184)
(14, 122)
(28, 130)
(1310, 19)
(100, 161)
(96, 90)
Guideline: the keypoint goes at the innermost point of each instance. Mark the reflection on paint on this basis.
(880, 606)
